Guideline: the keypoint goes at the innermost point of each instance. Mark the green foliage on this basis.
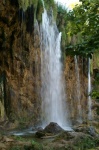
(81, 28)
(86, 143)
(32, 146)
(85, 20)
(95, 94)
(15, 148)
(36, 145)
(20, 138)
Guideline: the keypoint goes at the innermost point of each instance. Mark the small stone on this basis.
(40, 134)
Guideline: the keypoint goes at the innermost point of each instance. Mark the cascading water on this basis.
(53, 89)
(78, 87)
(89, 91)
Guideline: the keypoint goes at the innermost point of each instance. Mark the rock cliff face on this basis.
(77, 88)
(19, 65)
(20, 69)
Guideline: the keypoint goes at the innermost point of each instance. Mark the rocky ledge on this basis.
(53, 137)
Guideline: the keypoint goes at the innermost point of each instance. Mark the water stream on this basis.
(53, 87)
(89, 91)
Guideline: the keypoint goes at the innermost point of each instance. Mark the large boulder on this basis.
(50, 130)
(53, 128)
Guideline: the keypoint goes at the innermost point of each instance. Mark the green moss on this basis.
(63, 38)
(34, 146)
(97, 111)
(38, 6)
(96, 59)
(86, 143)
(95, 94)
(91, 66)
(51, 4)
(24, 4)
(48, 5)
(39, 11)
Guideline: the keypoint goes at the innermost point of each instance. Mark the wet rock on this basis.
(39, 129)
(85, 129)
(92, 131)
(40, 134)
(50, 130)
(53, 128)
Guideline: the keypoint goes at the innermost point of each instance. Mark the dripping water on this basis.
(89, 91)
(53, 89)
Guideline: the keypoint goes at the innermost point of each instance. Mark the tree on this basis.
(84, 27)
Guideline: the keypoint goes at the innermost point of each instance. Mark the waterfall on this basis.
(89, 91)
(52, 82)
(78, 87)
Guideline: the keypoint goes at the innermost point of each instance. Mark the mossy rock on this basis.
(39, 11)
(64, 135)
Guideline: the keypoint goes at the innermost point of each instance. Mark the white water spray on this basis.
(53, 89)
(89, 91)
(78, 87)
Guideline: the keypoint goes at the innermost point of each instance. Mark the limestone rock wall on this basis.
(77, 93)
(20, 64)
